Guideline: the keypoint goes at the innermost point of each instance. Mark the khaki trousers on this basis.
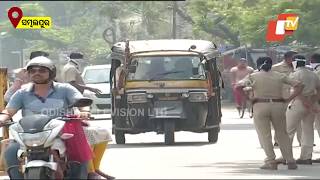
(296, 114)
(273, 113)
(299, 133)
(299, 130)
(317, 123)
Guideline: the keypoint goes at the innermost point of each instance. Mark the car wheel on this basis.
(120, 137)
(213, 135)
(169, 127)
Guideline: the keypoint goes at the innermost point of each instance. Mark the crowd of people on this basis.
(34, 88)
(285, 96)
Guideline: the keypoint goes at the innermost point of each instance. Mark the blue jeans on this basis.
(12, 161)
(79, 172)
(76, 172)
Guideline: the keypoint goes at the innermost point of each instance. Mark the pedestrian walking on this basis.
(238, 73)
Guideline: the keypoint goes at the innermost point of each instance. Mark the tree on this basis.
(246, 21)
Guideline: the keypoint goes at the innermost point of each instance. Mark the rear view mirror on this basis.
(132, 69)
(204, 64)
(82, 102)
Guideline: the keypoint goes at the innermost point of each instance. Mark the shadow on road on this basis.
(244, 168)
(158, 145)
(242, 126)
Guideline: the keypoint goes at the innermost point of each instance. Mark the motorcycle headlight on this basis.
(198, 96)
(137, 98)
(36, 139)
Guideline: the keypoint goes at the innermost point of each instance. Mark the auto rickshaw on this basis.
(165, 86)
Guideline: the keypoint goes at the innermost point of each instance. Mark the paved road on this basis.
(237, 155)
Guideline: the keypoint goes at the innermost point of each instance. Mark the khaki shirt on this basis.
(70, 73)
(283, 67)
(268, 84)
(309, 79)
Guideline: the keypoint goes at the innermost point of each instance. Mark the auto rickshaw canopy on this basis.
(164, 47)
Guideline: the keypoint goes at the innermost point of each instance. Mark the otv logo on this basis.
(286, 24)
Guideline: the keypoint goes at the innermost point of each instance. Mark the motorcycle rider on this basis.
(21, 76)
(41, 96)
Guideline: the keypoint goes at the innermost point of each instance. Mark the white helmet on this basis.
(43, 62)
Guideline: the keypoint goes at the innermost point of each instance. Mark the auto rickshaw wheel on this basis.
(169, 127)
(213, 135)
(120, 137)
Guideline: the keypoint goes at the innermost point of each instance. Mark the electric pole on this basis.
(174, 20)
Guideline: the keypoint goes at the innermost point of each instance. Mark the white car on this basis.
(97, 76)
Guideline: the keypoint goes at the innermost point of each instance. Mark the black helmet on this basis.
(43, 62)
(34, 54)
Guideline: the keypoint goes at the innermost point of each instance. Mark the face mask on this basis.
(294, 64)
(80, 63)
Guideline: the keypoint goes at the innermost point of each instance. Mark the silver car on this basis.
(97, 76)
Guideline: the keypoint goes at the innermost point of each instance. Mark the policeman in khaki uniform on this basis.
(286, 68)
(303, 107)
(269, 107)
(315, 65)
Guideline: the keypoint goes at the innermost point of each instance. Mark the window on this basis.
(167, 68)
(95, 76)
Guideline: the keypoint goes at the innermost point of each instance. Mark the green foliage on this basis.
(79, 25)
(250, 18)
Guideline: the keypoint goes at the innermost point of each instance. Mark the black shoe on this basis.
(304, 161)
(275, 144)
(281, 161)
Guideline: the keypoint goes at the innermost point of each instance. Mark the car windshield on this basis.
(167, 68)
(95, 76)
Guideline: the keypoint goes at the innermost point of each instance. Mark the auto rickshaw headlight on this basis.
(185, 95)
(150, 96)
(198, 96)
(137, 98)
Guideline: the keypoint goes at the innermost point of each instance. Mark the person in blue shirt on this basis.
(41, 96)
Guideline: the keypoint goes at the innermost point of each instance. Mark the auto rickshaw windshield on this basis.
(167, 68)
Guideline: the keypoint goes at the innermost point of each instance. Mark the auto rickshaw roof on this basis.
(167, 53)
(147, 46)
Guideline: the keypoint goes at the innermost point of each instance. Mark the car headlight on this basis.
(137, 98)
(36, 139)
(198, 96)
